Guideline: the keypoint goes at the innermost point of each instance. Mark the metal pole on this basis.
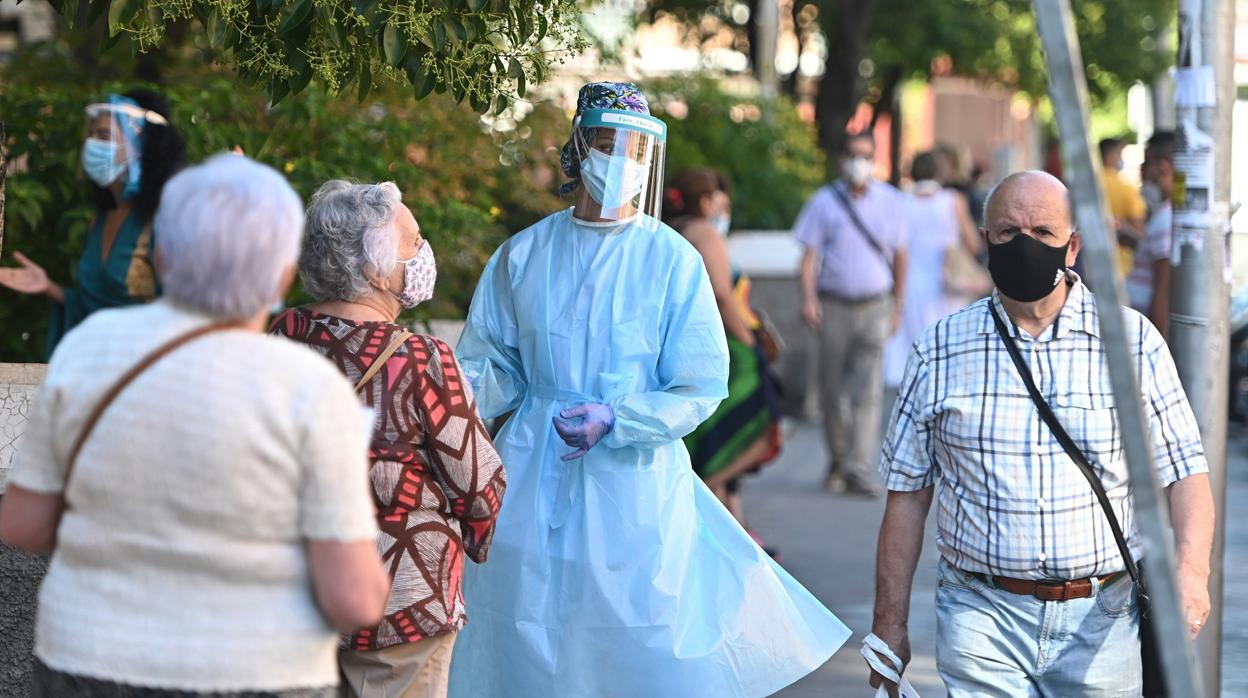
(767, 33)
(1069, 93)
(4, 170)
(1199, 299)
(1163, 88)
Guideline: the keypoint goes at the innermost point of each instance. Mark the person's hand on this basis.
(595, 422)
(895, 319)
(1194, 597)
(29, 278)
(898, 640)
(812, 312)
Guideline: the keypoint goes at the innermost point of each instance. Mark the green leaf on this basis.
(96, 10)
(365, 80)
(439, 35)
(108, 42)
(278, 89)
(515, 70)
(424, 83)
(455, 28)
(502, 104)
(426, 37)
(71, 12)
(120, 12)
(301, 13)
(394, 43)
(377, 21)
(233, 37)
(327, 18)
(521, 88)
(543, 26)
(301, 78)
(477, 5)
(415, 62)
(215, 27)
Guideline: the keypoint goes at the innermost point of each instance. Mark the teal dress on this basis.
(125, 277)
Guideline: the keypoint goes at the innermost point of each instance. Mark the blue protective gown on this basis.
(619, 574)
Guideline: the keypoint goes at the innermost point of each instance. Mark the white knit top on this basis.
(181, 561)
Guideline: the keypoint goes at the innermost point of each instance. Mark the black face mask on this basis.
(1025, 269)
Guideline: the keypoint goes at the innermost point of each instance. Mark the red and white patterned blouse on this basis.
(437, 480)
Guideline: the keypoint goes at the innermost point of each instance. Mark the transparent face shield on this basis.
(622, 157)
(111, 142)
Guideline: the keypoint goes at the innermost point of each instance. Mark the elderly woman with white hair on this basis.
(202, 487)
(437, 479)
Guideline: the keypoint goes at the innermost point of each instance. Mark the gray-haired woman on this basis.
(215, 530)
(437, 480)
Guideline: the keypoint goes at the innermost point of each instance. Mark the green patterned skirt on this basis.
(750, 412)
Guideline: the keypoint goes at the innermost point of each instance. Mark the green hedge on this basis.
(468, 184)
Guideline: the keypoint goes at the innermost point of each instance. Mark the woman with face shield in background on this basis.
(614, 571)
(130, 150)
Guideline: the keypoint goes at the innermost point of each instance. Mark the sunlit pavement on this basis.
(828, 543)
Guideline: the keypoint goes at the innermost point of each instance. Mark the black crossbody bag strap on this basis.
(862, 227)
(1072, 450)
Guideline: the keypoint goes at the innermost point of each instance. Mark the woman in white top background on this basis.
(939, 220)
(216, 531)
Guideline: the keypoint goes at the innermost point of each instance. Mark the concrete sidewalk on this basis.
(828, 543)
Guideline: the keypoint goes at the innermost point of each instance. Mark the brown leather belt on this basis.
(1048, 591)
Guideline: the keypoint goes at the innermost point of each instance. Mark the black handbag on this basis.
(1154, 683)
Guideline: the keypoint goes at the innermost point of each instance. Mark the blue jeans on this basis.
(994, 643)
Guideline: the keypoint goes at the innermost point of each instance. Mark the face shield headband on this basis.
(127, 121)
(626, 170)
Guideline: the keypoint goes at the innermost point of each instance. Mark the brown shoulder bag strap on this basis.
(399, 338)
(127, 378)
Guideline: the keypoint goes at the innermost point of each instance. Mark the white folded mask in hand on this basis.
(873, 648)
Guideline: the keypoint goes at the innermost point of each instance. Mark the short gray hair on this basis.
(226, 232)
(349, 239)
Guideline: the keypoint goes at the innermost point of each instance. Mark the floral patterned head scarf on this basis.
(598, 95)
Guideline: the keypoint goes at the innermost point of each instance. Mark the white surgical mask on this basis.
(99, 161)
(722, 223)
(419, 274)
(612, 180)
(858, 170)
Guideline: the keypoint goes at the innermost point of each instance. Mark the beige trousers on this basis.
(851, 385)
(419, 669)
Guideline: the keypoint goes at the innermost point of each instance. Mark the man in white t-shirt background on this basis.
(1148, 283)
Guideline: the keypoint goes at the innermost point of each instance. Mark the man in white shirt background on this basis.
(1148, 282)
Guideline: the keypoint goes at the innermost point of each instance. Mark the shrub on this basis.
(768, 153)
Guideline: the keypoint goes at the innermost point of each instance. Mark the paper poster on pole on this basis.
(1193, 178)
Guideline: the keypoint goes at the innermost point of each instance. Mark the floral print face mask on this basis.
(419, 274)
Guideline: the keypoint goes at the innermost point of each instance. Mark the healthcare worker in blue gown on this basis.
(614, 572)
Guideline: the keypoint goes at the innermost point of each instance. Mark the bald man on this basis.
(1033, 598)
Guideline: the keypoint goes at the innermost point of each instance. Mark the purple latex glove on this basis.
(583, 426)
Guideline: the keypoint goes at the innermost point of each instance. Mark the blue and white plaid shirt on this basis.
(1011, 502)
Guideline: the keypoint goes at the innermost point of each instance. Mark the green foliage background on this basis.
(471, 180)
(445, 161)
(769, 154)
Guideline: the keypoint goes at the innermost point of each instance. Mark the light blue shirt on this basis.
(850, 267)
